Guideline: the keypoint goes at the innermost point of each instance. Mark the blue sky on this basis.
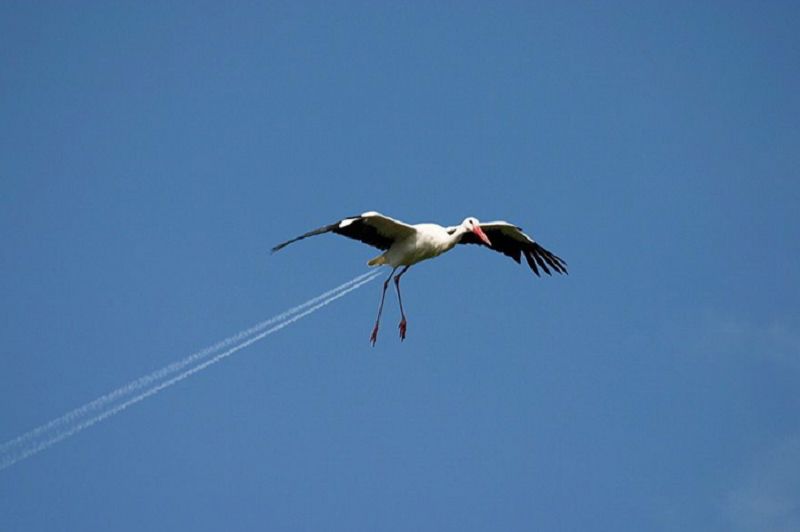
(152, 154)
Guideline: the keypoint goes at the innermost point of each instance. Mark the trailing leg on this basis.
(374, 337)
(403, 323)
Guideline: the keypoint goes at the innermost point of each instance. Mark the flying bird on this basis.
(405, 245)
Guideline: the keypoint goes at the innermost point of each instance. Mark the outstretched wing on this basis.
(371, 228)
(509, 240)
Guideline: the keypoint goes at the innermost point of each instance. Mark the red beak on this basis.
(478, 231)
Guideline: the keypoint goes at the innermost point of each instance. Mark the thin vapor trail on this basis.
(28, 446)
(166, 371)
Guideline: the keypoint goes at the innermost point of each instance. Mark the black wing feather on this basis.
(540, 261)
(532, 263)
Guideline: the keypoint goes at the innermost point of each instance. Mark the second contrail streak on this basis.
(76, 421)
(171, 369)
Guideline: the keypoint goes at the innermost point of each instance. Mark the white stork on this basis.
(405, 245)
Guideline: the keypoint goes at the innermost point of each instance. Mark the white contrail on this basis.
(166, 371)
(34, 442)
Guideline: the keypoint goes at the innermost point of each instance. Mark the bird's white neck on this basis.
(455, 235)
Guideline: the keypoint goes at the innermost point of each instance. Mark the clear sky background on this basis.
(151, 154)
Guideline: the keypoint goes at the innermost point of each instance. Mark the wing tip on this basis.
(538, 257)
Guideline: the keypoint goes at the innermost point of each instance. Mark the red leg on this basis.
(403, 323)
(374, 336)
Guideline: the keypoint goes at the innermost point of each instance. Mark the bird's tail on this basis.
(377, 261)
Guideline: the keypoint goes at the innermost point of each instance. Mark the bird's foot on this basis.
(374, 336)
(402, 328)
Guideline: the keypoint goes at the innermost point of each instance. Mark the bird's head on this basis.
(474, 226)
